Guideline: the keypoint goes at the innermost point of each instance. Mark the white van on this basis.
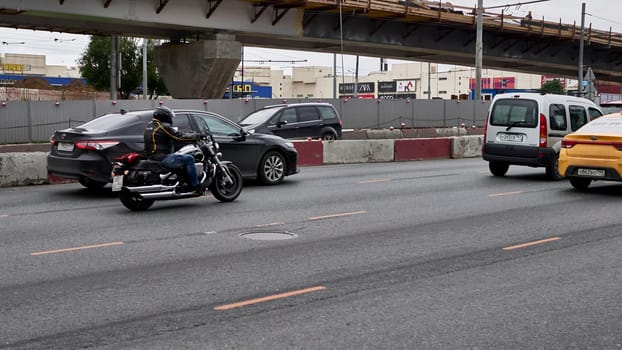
(527, 129)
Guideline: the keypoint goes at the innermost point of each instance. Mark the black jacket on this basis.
(159, 139)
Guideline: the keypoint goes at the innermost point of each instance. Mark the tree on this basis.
(95, 66)
(553, 87)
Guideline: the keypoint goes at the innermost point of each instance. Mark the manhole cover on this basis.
(268, 236)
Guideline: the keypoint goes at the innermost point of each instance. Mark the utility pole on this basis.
(580, 83)
(356, 78)
(145, 69)
(334, 75)
(429, 81)
(114, 68)
(478, 50)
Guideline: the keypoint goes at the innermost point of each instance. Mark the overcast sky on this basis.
(64, 49)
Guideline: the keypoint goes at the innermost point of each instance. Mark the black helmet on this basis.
(164, 114)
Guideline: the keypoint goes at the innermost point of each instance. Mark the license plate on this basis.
(511, 137)
(117, 183)
(65, 147)
(591, 172)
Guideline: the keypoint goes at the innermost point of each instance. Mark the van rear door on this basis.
(514, 121)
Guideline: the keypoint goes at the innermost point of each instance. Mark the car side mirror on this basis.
(281, 123)
(242, 136)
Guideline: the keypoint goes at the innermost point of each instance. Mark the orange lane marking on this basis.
(270, 224)
(373, 181)
(269, 298)
(504, 194)
(337, 215)
(78, 248)
(528, 244)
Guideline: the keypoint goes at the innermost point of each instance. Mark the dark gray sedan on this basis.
(86, 152)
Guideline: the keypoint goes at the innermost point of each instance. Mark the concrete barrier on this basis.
(381, 134)
(23, 168)
(358, 151)
(419, 149)
(310, 152)
(26, 164)
(466, 146)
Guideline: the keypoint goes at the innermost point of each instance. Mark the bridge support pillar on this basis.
(200, 69)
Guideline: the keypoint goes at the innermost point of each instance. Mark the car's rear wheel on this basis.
(498, 168)
(580, 183)
(272, 168)
(134, 201)
(329, 134)
(91, 184)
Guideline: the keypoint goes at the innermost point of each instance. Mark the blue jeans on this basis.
(175, 161)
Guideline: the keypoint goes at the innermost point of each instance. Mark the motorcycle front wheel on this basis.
(133, 201)
(224, 191)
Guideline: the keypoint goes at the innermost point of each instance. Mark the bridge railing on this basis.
(420, 10)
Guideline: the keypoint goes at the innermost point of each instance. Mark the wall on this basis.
(36, 121)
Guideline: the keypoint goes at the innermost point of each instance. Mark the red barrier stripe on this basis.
(414, 149)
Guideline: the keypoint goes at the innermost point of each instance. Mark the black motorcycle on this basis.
(141, 182)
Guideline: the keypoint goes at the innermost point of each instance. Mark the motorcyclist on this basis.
(159, 139)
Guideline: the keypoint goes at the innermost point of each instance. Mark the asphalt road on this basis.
(413, 255)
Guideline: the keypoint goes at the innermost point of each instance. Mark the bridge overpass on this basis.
(206, 36)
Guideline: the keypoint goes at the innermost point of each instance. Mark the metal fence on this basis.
(36, 121)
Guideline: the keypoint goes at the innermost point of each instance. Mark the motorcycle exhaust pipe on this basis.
(167, 195)
(159, 195)
(151, 188)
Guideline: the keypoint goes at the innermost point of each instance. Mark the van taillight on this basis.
(543, 131)
(486, 126)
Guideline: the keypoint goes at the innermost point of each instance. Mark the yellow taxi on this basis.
(594, 152)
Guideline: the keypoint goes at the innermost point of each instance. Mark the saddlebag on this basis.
(147, 172)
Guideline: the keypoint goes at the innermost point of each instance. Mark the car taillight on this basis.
(96, 145)
(543, 131)
(571, 143)
(53, 140)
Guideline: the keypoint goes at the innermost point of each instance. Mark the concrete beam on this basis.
(201, 69)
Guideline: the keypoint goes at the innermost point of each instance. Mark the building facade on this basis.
(16, 67)
(416, 80)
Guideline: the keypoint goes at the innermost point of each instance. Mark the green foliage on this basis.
(95, 66)
(553, 87)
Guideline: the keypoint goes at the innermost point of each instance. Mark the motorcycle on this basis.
(141, 182)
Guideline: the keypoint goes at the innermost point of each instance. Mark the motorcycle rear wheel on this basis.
(230, 191)
(133, 201)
